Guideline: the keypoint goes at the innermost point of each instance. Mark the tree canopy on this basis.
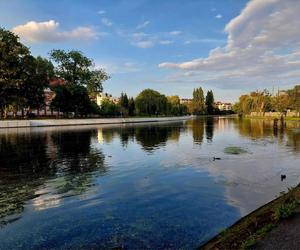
(75, 68)
(198, 101)
(151, 102)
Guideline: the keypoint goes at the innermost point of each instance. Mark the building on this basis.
(223, 106)
(101, 96)
(185, 101)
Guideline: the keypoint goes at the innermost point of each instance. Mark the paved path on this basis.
(285, 236)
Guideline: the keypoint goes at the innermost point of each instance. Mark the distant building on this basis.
(185, 101)
(223, 106)
(101, 96)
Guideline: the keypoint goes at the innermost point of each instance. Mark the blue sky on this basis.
(172, 46)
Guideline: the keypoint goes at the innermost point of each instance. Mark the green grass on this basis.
(286, 210)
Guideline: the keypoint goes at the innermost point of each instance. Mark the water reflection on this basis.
(42, 166)
(209, 129)
(143, 185)
(152, 137)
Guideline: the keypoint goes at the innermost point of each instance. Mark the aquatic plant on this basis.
(234, 150)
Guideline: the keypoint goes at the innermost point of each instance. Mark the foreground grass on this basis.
(249, 230)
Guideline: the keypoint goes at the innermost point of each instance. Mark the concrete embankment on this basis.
(74, 122)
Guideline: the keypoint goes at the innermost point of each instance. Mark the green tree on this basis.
(131, 107)
(198, 101)
(151, 102)
(108, 108)
(38, 73)
(294, 95)
(209, 102)
(174, 106)
(75, 68)
(12, 56)
(124, 100)
(72, 98)
(124, 104)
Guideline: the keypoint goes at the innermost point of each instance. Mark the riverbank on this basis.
(75, 122)
(272, 118)
(249, 232)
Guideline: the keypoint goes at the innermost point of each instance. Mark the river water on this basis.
(144, 186)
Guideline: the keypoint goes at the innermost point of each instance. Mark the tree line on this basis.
(264, 101)
(152, 103)
(23, 79)
(76, 82)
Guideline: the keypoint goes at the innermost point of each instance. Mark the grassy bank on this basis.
(272, 118)
(249, 230)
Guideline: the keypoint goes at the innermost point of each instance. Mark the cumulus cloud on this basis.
(106, 22)
(101, 12)
(166, 42)
(49, 32)
(143, 25)
(263, 43)
(175, 32)
(144, 44)
(118, 67)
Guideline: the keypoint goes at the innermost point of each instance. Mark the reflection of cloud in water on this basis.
(46, 201)
(250, 180)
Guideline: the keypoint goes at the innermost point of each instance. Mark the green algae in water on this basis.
(235, 150)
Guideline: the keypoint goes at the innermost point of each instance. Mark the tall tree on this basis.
(198, 101)
(38, 73)
(294, 95)
(131, 107)
(209, 102)
(12, 56)
(75, 68)
(81, 80)
(151, 102)
(124, 101)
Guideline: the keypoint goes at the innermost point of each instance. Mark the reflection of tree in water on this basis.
(209, 129)
(28, 162)
(293, 136)
(78, 160)
(254, 128)
(151, 137)
(24, 166)
(126, 134)
(197, 126)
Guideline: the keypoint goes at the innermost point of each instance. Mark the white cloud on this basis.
(166, 42)
(101, 12)
(263, 44)
(143, 40)
(143, 25)
(144, 44)
(219, 16)
(118, 67)
(175, 32)
(49, 32)
(106, 22)
(205, 40)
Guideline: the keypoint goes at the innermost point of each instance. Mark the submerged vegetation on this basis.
(234, 150)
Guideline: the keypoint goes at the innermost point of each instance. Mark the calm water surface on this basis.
(139, 186)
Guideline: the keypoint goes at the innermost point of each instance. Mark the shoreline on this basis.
(270, 118)
(86, 121)
(251, 229)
